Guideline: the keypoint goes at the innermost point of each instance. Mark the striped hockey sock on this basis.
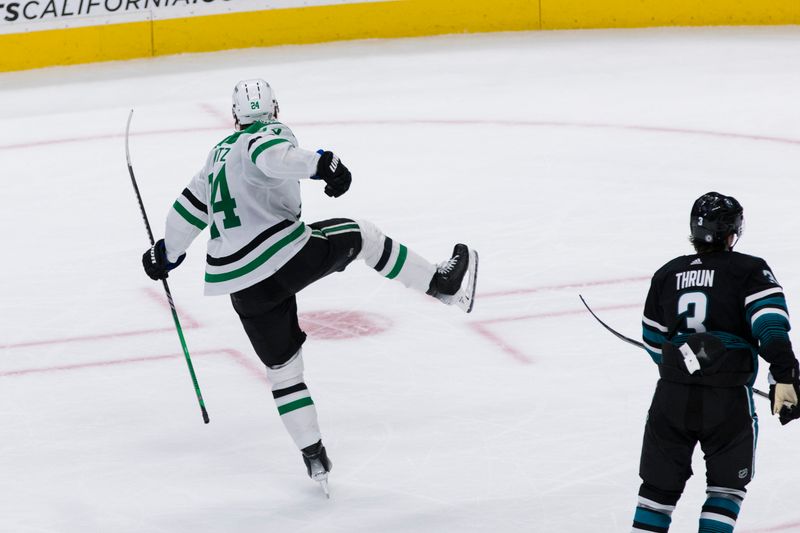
(394, 260)
(720, 510)
(295, 406)
(298, 413)
(652, 516)
(654, 510)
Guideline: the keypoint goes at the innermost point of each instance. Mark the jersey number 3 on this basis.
(694, 306)
(225, 204)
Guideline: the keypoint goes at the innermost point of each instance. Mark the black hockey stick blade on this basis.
(639, 344)
(617, 334)
(133, 179)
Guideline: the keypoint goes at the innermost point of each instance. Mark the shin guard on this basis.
(654, 510)
(394, 260)
(297, 410)
(720, 510)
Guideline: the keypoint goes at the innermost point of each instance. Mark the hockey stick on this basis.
(164, 281)
(638, 344)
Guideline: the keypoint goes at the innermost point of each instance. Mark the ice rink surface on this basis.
(569, 160)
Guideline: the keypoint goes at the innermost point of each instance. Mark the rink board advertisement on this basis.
(19, 16)
(37, 33)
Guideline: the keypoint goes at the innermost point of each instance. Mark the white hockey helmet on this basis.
(253, 100)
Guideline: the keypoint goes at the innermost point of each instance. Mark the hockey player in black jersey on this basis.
(706, 319)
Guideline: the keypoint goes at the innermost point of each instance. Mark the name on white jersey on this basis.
(695, 278)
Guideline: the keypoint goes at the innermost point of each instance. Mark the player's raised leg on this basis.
(452, 281)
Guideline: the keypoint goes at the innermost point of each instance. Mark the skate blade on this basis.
(466, 300)
(323, 483)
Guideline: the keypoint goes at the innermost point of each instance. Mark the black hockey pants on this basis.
(268, 309)
(721, 419)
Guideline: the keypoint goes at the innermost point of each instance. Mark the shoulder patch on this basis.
(770, 276)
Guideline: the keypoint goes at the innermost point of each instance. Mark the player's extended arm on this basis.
(187, 218)
(278, 158)
(769, 321)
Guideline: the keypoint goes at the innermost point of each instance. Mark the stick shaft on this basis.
(639, 344)
(164, 281)
(614, 332)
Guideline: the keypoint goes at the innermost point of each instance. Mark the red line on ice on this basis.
(794, 526)
(78, 366)
(255, 368)
(101, 137)
(187, 322)
(435, 122)
(544, 288)
(157, 296)
(64, 340)
(553, 314)
(480, 327)
(236, 355)
(213, 111)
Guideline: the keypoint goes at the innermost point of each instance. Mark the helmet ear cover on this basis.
(715, 217)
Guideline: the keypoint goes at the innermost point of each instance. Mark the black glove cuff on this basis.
(155, 262)
(324, 171)
(783, 364)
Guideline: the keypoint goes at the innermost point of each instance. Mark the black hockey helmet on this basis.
(715, 217)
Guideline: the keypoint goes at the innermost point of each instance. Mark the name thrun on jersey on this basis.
(694, 278)
(696, 294)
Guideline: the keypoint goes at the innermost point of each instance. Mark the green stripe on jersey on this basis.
(258, 261)
(295, 405)
(190, 218)
(230, 139)
(262, 147)
(264, 125)
(401, 259)
(340, 227)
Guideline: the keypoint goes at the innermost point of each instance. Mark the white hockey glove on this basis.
(785, 396)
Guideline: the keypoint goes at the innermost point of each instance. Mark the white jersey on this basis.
(251, 182)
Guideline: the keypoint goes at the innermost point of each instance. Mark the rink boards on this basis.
(38, 33)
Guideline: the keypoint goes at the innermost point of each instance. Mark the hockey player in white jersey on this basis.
(261, 253)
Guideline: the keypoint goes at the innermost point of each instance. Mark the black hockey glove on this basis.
(335, 174)
(155, 261)
(786, 414)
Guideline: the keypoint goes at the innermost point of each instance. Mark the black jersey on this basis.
(730, 296)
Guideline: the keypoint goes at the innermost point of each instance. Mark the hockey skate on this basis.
(318, 465)
(449, 285)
